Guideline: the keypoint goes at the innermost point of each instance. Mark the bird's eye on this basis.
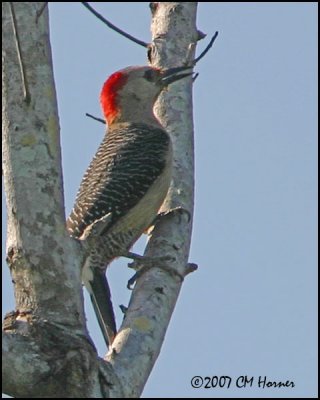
(150, 75)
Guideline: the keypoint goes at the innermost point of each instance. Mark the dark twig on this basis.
(39, 13)
(96, 118)
(206, 49)
(111, 26)
(26, 94)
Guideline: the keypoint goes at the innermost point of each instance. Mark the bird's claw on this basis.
(148, 262)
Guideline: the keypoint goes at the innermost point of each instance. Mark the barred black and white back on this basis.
(128, 162)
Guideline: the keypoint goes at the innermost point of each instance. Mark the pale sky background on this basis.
(250, 309)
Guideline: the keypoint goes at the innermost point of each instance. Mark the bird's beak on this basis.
(171, 75)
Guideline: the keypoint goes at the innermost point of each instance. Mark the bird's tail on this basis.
(101, 300)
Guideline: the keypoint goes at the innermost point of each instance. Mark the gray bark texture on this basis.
(47, 351)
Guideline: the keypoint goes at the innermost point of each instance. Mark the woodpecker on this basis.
(127, 180)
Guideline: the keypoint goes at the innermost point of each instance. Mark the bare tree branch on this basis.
(141, 335)
(47, 332)
(205, 51)
(113, 27)
(33, 174)
(96, 118)
(26, 94)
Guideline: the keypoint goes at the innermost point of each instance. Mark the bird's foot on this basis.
(142, 264)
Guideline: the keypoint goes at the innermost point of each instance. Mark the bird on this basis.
(127, 180)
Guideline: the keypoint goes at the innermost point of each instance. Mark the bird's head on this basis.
(129, 94)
